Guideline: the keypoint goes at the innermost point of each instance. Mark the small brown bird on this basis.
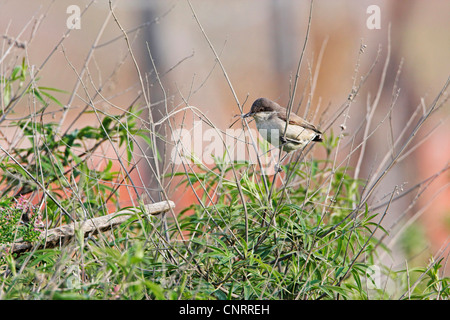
(270, 120)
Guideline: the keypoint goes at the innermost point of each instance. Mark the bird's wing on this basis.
(296, 120)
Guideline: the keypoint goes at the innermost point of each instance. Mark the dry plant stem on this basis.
(91, 103)
(354, 149)
(85, 154)
(435, 260)
(371, 109)
(83, 70)
(374, 181)
(152, 124)
(146, 98)
(400, 137)
(355, 258)
(240, 109)
(423, 140)
(104, 99)
(216, 56)
(294, 89)
(315, 78)
(427, 181)
(395, 92)
(413, 218)
(305, 87)
(64, 233)
(217, 60)
(11, 43)
(345, 110)
(377, 177)
(297, 74)
(283, 192)
(153, 129)
(206, 120)
(66, 34)
(138, 28)
(147, 101)
(145, 95)
(288, 111)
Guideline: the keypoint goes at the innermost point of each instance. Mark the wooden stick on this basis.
(62, 235)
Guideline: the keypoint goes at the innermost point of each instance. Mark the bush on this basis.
(308, 232)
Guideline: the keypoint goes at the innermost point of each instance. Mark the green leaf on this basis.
(52, 89)
(7, 93)
(14, 73)
(52, 98)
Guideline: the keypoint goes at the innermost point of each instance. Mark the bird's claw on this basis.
(278, 168)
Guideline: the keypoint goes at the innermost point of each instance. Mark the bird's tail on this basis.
(318, 138)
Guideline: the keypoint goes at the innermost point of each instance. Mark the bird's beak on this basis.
(247, 115)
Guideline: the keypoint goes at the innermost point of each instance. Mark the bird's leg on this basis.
(278, 167)
(281, 160)
(283, 141)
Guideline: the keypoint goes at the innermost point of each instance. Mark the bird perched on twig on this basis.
(271, 119)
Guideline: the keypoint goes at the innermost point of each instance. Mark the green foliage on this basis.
(13, 85)
(295, 249)
(247, 237)
(61, 159)
(12, 228)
